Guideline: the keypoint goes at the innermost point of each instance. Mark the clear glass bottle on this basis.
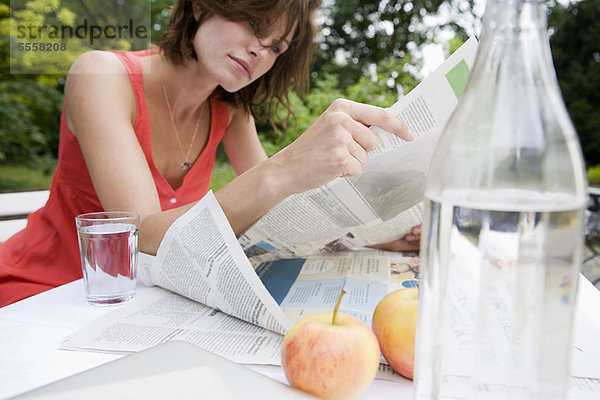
(503, 228)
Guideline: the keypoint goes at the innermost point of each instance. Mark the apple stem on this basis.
(337, 306)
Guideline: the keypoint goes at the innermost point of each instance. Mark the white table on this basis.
(32, 330)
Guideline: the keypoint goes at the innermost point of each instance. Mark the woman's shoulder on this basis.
(235, 113)
(231, 111)
(103, 74)
(97, 62)
(99, 72)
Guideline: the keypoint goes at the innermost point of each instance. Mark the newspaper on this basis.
(208, 293)
(237, 297)
(382, 203)
(200, 258)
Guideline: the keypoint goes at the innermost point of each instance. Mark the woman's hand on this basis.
(408, 242)
(335, 145)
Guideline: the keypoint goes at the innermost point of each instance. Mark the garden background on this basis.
(369, 51)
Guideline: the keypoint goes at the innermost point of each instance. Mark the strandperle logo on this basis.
(47, 36)
(89, 32)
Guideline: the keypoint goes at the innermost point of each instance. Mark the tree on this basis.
(380, 88)
(31, 82)
(160, 11)
(357, 34)
(575, 42)
(48, 35)
(29, 109)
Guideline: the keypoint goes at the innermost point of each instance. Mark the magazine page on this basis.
(311, 285)
(383, 202)
(200, 258)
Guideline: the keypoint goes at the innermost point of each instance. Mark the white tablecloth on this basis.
(32, 330)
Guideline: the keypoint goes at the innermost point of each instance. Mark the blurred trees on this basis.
(377, 88)
(29, 109)
(31, 82)
(576, 52)
(368, 52)
(358, 33)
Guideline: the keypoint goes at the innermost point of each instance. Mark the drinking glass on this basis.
(108, 245)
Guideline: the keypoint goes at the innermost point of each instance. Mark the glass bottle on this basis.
(503, 225)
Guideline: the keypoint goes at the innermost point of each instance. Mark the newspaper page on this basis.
(311, 285)
(157, 315)
(300, 287)
(383, 202)
(214, 300)
(217, 301)
(200, 258)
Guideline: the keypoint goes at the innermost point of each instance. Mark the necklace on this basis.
(186, 163)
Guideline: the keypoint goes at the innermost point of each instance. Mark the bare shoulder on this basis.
(97, 62)
(96, 70)
(98, 81)
(238, 117)
(232, 111)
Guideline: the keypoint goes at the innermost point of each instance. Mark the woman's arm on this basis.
(241, 143)
(245, 151)
(335, 145)
(101, 110)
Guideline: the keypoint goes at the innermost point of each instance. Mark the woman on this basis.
(139, 131)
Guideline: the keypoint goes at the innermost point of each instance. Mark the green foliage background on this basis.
(368, 52)
(576, 52)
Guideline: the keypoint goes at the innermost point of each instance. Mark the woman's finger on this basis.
(352, 167)
(397, 245)
(371, 115)
(362, 135)
(358, 152)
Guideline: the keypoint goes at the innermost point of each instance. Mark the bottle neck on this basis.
(510, 122)
(514, 40)
(517, 30)
(509, 17)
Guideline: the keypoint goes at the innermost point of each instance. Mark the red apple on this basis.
(394, 324)
(331, 356)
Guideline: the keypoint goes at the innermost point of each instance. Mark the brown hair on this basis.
(291, 68)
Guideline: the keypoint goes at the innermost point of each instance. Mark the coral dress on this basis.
(45, 254)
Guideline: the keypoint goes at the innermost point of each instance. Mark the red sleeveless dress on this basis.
(45, 254)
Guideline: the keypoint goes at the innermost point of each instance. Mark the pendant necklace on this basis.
(186, 163)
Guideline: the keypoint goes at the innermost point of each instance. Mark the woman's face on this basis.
(232, 54)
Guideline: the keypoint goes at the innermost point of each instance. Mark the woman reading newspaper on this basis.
(139, 131)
